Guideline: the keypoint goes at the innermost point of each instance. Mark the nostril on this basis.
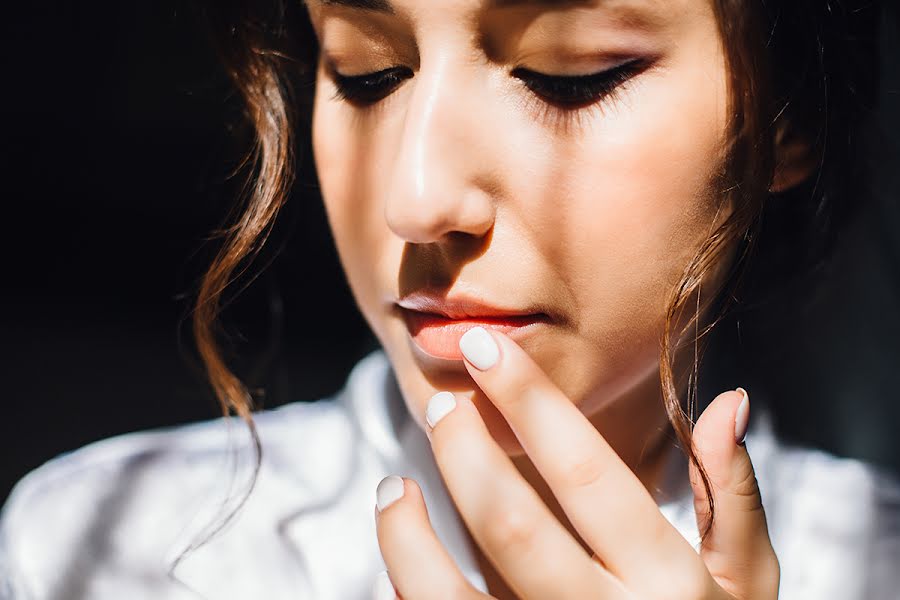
(432, 220)
(419, 228)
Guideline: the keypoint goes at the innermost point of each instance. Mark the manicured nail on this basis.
(383, 588)
(438, 406)
(479, 348)
(389, 490)
(742, 417)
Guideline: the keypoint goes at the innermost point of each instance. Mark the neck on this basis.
(636, 427)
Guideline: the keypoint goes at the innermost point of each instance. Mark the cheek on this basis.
(646, 189)
(343, 157)
(635, 201)
(354, 158)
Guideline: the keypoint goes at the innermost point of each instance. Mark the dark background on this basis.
(117, 151)
(117, 146)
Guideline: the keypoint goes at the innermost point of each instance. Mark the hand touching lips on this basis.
(636, 552)
(439, 336)
(437, 324)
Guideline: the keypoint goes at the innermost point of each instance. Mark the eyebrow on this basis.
(384, 6)
(373, 5)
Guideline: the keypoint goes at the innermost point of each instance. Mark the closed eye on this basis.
(576, 91)
(369, 88)
(562, 91)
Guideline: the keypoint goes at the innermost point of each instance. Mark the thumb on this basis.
(737, 550)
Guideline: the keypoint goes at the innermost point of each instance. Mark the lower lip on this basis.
(439, 336)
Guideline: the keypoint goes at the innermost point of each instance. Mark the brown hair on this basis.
(781, 56)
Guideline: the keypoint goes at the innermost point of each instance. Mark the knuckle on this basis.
(512, 529)
(746, 485)
(582, 471)
(746, 491)
(519, 394)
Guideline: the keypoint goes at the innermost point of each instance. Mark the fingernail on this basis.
(383, 588)
(438, 406)
(479, 348)
(389, 490)
(742, 417)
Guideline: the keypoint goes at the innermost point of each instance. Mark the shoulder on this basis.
(139, 498)
(181, 451)
(327, 423)
(135, 501)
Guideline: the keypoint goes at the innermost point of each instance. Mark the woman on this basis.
(542, 209)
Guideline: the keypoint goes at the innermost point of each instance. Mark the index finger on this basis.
(604, 500)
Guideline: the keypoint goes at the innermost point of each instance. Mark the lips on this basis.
(436, 324)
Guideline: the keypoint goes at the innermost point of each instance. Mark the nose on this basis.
(441, 181)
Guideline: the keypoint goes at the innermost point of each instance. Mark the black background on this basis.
(116, 151)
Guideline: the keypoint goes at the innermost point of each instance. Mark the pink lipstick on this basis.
(436, 324)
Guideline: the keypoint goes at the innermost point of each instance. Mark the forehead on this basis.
(651, 11)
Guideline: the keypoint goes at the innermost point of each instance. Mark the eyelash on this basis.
(363, 90)
(557, 93)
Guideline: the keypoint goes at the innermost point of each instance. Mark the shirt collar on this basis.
(375, 401)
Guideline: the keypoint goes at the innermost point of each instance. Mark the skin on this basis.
(464, 180)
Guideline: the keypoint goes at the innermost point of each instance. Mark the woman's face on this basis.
(546, 168)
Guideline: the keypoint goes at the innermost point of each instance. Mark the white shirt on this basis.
(107, 521)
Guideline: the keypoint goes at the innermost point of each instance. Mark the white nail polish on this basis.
(742, 417)
(389, 490)
(438, 406)
(383, 588)
(479, 348)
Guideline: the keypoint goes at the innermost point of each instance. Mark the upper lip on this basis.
(458, 306)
